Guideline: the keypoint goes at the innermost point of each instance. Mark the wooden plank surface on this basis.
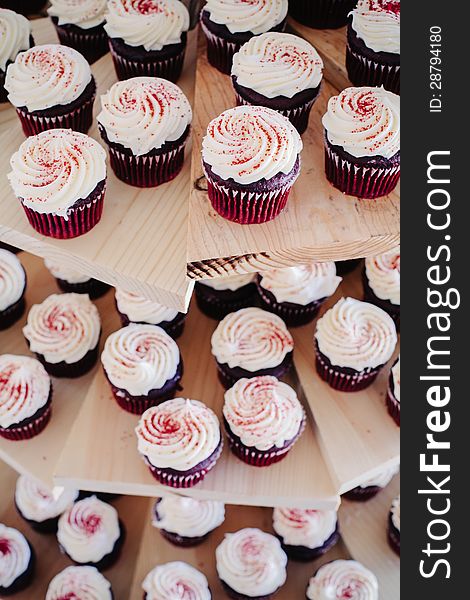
(140, 242)
(357, 435)
(50, 561)
(319, 223)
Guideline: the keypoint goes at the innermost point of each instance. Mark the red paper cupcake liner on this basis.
(358, 180)
(292, 315)
(79, 119)
(80, 219)
(91, 45)
(147, 170)
(169, 68)
(344, 382)
(219, 51)
(393, 406)
(30, 430)
(138, 405)
(365, 72)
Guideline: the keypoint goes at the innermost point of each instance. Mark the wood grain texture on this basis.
(364, 528)
(50, 560)
(319, 223)
(140, 242)
(358, 437)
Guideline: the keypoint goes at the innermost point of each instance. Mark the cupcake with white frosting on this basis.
(353, 341)
(70, 280)
(40, 506)
(393, 392)
(222, 295)
(63, 331)
(251, 160)
(334, 577)
(381, 278)
(12, 289)
(133, 308)
(143, 366)
(251, 564)
(394, 525)
(17, 561)
(321, 14)
(80, 25)
(175, 581)
(297, 293)
(228, 24)
(85, 583)
(51, 87)
(186, 522)
(362, 141)
(180, 441)
(373, 485)
(147, 38)
(249, 343)
(305, 534)
(145, 122)
(59, 177)
(373, 48)
(25, 397)
(15, 36)
(281, 71)
(91, 533)
(263, 419)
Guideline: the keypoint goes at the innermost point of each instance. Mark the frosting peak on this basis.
(377, 23)
(176, 581)
(81, 583)
(188, 517)
(300, 527)
(82, 13)
(39, 503)
(343, 580)
(140, 310)
(254, 16)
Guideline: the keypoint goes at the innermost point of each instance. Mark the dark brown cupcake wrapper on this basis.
(393, 406)
(91, 45)
(363, 71)
(12, 314)
(169, 68)
(357, 180)
(138, 405)
(219, 51)
(362, 494)
(80, 219)
(292, 315)
(30, 430)
(344, 382)
(321, 14)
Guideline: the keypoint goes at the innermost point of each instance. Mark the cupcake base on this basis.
(31, 427)
(304, 554)
(217, 304)
(231, 593)
(72, 370)
(393, 536)
(45, 527)
(369, 296)
(92, 43)
(93, 287)
(185, 479)
(173, 328)
(12, 314)
(321, 14)
(24, 580)
(362, 494)
(228, 376)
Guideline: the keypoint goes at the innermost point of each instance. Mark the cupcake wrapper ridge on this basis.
(219, 51)
(344, 382)
(365, 72)
(92, 46)
(138, 405)
(393, 406)
(26, 432)
(293, 316)
(169, 68)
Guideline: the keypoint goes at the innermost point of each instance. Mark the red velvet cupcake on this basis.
(63, 331)
(77, 583)
(263, 419)
(394, 526)
(321, 14)
(393, 392)
(353, 341)
(176, 580)
(362, 141)
(220, 296)
(143, 366)
(15, 33)
(17, 562)
(336, 579)
(70, 280)
(59, 177)
(381, 278)
(145, 122)
(25, 397)
(12, 289)
(180, 441)
(251, 159)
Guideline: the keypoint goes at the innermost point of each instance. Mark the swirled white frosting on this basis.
(343, 580)
(178, 434)
(143, 113)
(251, 338)
(396, 379)
(139, 358)
(377, 24)
(140, 310)
(300, 527)
(382, 479)
(15, 555)
(51, 171)
(24, 388)
(277, 64)
(64, 327)
(357, 335)
(364, 121)
(303, 284)
(82, 13)
(82, 583)
(88, 530)
(12, 279)
(152, 24)
(15, 31)
(62, 271)
(395, 512)
(263, 412)
(250, 143)
(176, 581)
(251, 562)
(383, 275)
(46, 76)
(188, 517)
(39, 503)
(255, 16)
(232, 283)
